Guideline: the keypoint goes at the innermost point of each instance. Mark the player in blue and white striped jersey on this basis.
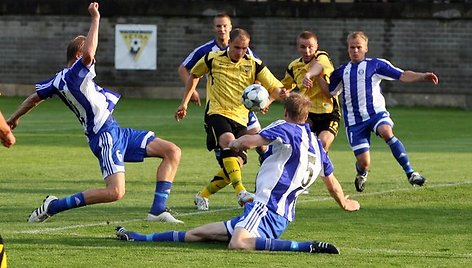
(294, 160)
(111, 144)
(364, 105)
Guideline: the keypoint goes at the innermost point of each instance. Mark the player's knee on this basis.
(116, 194)
(364, 164)
(174, 152)
(236, 244)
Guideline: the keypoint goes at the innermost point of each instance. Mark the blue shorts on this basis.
(259, 221)
(115, 145)
(358, 135)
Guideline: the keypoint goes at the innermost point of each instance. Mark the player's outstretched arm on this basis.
(336, 191)
(91, 42)
(29, 103)
(248, 142)
(190, 87)
(184, 74)
(315, 70)
(278, 94)
(410, 76)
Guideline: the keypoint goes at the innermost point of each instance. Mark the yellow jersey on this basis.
(227, 80)
(293, 78)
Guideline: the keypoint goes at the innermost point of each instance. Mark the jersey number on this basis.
(310, 175)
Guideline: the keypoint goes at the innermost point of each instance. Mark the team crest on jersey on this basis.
(246, 68)
(361, 72)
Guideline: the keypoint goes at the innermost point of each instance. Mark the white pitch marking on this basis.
(412, 253)
(56, 229)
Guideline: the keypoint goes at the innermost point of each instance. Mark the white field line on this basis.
(78, 226)
(415, 252)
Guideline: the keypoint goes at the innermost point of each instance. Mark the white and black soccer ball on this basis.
(255, 97)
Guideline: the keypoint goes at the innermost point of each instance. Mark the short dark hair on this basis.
(237, 32)
(222, 14)
(307, 35)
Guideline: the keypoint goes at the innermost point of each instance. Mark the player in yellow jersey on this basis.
(229, 72)
(324, 113)
(221, 27)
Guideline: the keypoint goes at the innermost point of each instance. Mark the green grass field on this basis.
(398, 225)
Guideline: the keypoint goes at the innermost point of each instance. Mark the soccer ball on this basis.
(255, 97)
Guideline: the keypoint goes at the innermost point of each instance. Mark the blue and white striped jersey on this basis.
(91, 103)
(292, 163)
(199, 52)
(360, 86)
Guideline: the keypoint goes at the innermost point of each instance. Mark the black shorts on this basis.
(323, 122)
(216, 125)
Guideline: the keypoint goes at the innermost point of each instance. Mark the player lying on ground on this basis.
(294, 160)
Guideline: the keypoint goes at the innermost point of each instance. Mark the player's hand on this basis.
(432, 77)
(307, 82)
(195, 98)
(93, 10)
(350, 205)
(284, 93)
(180, 113)
(265, 110)
(9, 140)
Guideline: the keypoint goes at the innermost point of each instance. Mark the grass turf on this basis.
(397, 226)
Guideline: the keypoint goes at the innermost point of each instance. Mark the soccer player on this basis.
(221, 27)
(364, 105)
(111, 144)
(6, 136)
(229, 72)
(294, 160)
(324, 113)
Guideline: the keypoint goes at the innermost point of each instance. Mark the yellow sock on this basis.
(231, 165)
(219, 182)
(3, 255)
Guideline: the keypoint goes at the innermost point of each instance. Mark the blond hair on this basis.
(358, 34)
(75, 45)
(297, 107)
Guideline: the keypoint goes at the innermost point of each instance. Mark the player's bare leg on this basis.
(165, 174)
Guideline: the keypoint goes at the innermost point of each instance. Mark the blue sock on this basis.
(359, 171)
(73, 201)
(160, 197)
(399, 152)
(172, 236)
(282, 245)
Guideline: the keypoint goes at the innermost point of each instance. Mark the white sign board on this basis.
(135, 47)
